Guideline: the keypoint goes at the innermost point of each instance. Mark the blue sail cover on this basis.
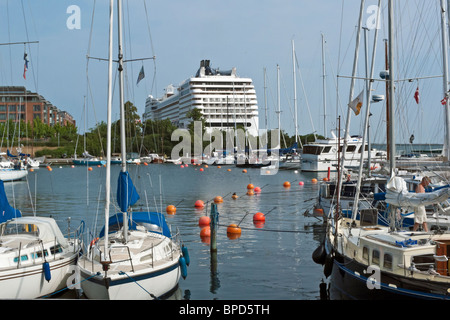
(6, 211)
(126, 192)
(139, 218)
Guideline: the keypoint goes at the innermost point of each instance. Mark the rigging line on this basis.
(9, 39)
(154, 83)
(29, 48)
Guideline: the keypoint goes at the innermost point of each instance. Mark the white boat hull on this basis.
(12, 174)
(143, 285)
(29, 282)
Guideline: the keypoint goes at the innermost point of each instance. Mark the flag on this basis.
(25, 66)
(356, 104)
(416, 95)
(141, 75)
(444, 101)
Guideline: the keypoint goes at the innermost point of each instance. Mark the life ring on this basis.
(93, 242)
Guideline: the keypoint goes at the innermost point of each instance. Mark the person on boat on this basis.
(420, 215)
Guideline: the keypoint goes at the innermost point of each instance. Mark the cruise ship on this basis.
(225, 100)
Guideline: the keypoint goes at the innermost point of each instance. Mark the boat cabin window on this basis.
(326, 149)
(315, 150)
(15, 228)
(366, 148)
(387, 261)
(376, 257)
(351, 148)
(22, 258)
(365, 254)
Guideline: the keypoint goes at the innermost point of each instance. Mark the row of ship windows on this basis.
(387, 258)
(38, 254)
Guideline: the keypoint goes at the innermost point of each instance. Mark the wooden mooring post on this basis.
(214, 224)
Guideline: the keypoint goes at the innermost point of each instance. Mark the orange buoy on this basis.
(204, 221)
(49, 168)
(218, 199)
(206, 166)
(98, 166)
(233, 228)
(145, 164)
(182, 166)
(205, 232)
(250, 193)
(31, 170)
(286, 184)
(257, 190)
(228, 169)
(234, 196)
(171, 209)
(199, 204)
(218, 167)
(318, 211)
(250, 186)
(244, 171)
(201, 169)
(90, 168)
(325, 179)
(259, 216)
(314, 180)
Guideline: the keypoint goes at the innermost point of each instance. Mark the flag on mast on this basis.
(141, 75)
(25, 66)
(416, 95)
(357, 103)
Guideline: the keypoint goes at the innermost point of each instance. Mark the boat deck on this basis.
(143, 250)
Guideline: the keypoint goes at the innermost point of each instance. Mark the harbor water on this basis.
(272, 261)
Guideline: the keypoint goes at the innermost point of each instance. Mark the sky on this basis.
(250, 35)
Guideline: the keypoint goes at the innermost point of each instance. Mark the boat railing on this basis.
(76, 234)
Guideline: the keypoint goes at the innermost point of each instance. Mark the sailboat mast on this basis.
(108, 140)
(391, 123)
(324, 89)
(445, 66)
(279, 108)
(352, 86)
(122, 107)
(295, 92)
(122, 112)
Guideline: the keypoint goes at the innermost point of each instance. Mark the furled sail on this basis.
(6, 211)
(126, 192)
(397, 194)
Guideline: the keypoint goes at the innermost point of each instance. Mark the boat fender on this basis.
(328, 265)
(319, 255)
(183, 267)
(47, 274)
(186, 255)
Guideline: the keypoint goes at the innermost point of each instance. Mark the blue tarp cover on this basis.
(155, 218)
(6, 211)
(126, 192)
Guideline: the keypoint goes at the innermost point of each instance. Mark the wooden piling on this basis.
(214, 223)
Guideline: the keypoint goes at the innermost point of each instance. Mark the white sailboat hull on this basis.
(29, 282)
(12, 174)
(146, 284)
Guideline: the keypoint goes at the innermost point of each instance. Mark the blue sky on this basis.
(250, 35)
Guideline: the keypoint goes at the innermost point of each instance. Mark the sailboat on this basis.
(35, 257)
(367, 260)
(135, 255)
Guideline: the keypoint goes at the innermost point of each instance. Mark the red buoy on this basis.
(205, 232)
(259, 216)
(199, 204)
(204, 221)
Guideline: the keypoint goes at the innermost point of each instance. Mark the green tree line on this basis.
(151, 136)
